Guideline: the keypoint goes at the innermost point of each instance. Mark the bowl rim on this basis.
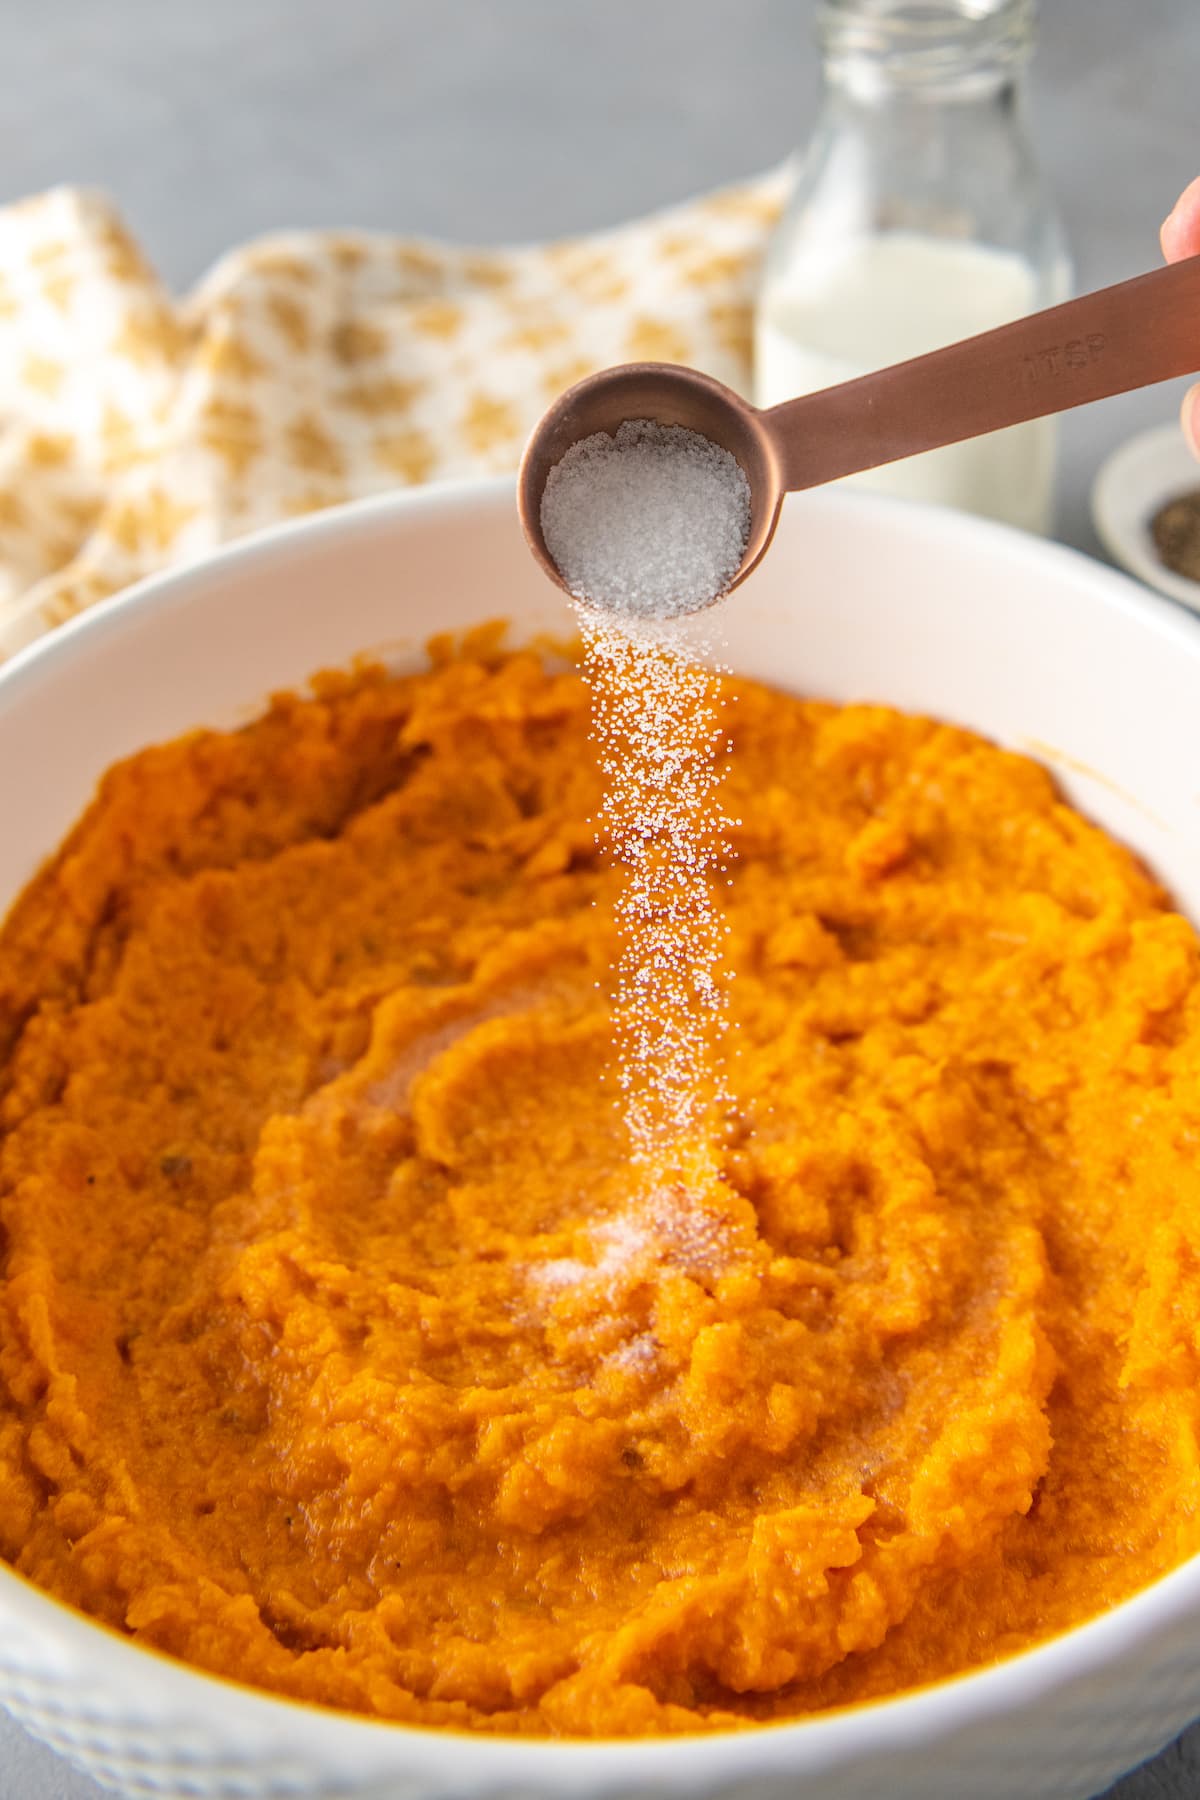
(692, 1762)
(167, 588)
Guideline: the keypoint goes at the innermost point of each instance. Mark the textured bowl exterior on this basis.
(859, 598)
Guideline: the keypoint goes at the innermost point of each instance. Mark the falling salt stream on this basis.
(656, 724)
(647, 527)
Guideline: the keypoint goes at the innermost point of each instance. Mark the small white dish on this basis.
(1134, 482)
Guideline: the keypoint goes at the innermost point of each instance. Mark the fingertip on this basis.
(1180, 230)
(1189, 419)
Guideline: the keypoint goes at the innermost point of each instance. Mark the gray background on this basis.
(504, 120)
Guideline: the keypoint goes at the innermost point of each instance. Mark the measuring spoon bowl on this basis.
(669, 395)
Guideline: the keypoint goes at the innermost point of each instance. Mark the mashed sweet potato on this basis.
(341, 1351)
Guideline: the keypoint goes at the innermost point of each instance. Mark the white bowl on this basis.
(1133, 483)
(859, 598)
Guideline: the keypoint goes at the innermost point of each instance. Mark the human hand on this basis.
(1181, 237)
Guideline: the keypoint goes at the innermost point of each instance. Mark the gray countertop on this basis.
(494, 121)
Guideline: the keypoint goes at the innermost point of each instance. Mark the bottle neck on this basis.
(925, 52)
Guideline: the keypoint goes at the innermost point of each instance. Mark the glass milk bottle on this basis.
(918, 217)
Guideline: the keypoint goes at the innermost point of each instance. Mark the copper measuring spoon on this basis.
(1121, 337)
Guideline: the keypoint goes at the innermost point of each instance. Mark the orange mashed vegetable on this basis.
(336, 1354)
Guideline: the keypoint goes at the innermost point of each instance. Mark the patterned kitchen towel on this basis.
(138, 432)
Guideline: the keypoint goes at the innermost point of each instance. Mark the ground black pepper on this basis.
(1176, 532)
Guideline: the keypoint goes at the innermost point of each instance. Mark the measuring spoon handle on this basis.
(1121, 337)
